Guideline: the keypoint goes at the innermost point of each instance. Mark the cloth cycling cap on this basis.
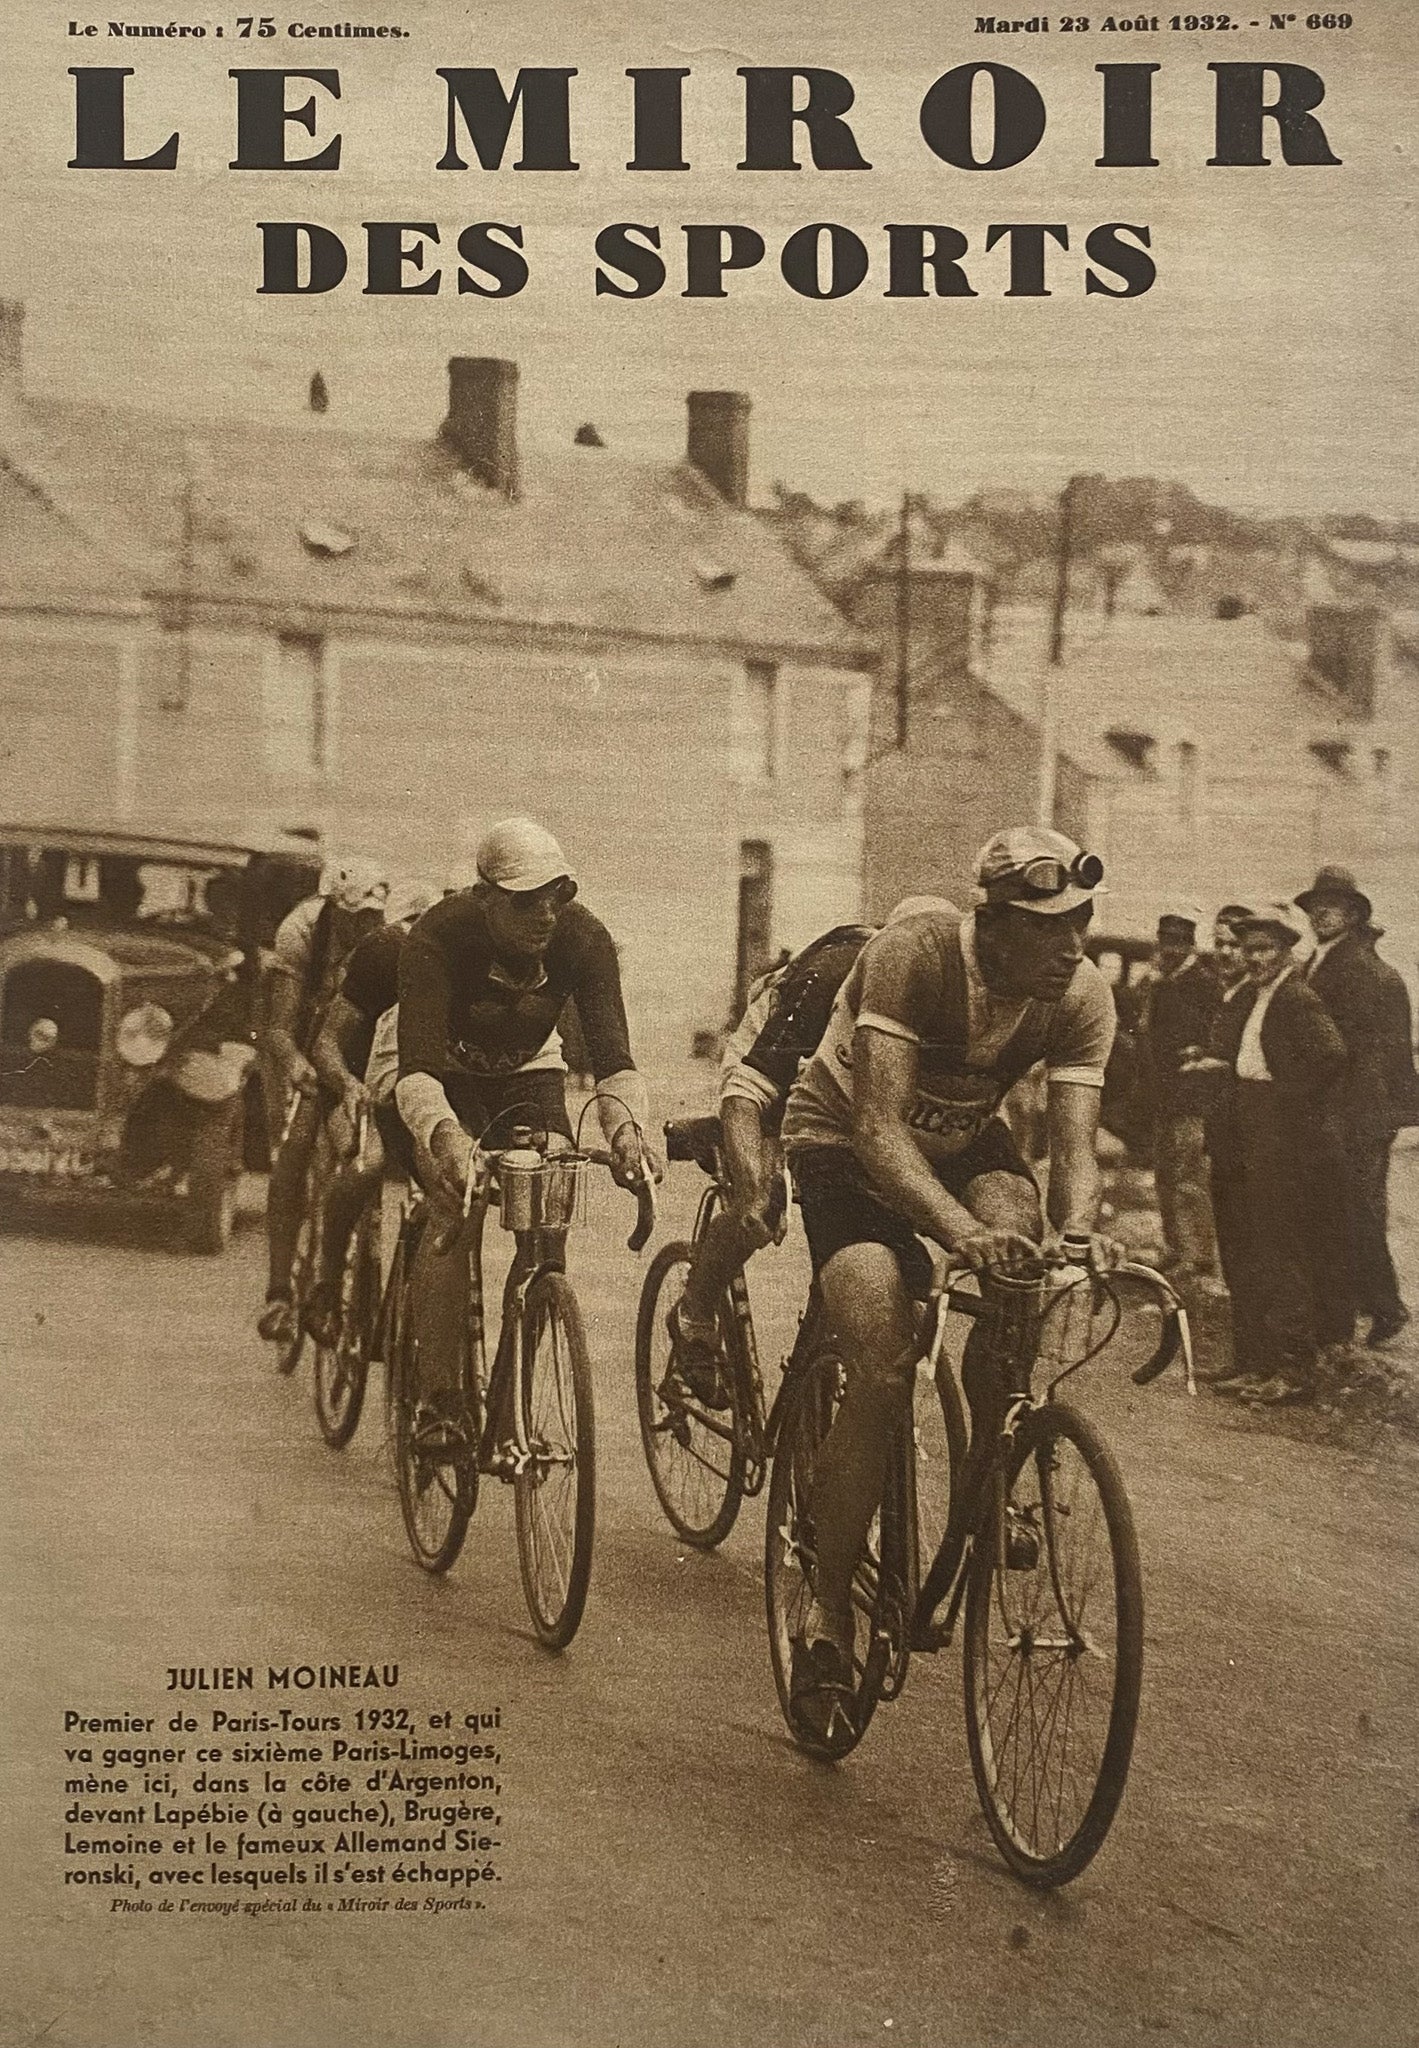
(1037, 869)
(354, 884)
(521, 855)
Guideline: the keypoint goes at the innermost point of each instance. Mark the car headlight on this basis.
(144, 1035)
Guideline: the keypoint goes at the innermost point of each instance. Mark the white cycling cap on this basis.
(355, 883)
(520, 855)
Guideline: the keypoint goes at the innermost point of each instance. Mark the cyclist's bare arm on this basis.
(1074, 1181)
(330, 1053)
(884, 1090)
(283, 1007)
(753, 1160)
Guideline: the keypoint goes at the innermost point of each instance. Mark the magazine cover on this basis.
(709, 912)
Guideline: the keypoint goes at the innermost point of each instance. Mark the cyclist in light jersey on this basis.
(892, 1134)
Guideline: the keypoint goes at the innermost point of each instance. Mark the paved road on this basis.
(676, 1873)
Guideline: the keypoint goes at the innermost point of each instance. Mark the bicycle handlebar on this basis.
(1176, 1336)
(644, 1192)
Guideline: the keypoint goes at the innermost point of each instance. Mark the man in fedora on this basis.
(1377, 1089)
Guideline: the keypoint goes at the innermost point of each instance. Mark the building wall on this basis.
(643, 758)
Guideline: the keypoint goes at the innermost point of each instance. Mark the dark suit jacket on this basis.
(1370, 1005)
(1178, 1014)
(1306, 1057)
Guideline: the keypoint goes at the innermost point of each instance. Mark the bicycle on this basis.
(290, 1352)
(703, 1462)
(342, 1367)
(1037, 1545)
(530, 1421)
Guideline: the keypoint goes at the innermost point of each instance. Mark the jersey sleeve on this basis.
(295, 942)
(1082, 1034)
(735, 1076)
(424, 998)
(599, 1002)
(898, 979)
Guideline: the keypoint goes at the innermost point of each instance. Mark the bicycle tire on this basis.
(342, 1368)
(809, 1406)
(288, 1355)
(698, 1477)
(1047, 1812)
(554, 1496)
(437, 1493)
(939, 1440)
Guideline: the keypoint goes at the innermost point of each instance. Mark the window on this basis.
(1136, 748)
(297, 707)
(761, 719)
(1333, 754)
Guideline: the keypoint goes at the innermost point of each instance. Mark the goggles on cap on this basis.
(1047, 877)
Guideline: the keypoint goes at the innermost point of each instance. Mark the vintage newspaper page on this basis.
(773, 450)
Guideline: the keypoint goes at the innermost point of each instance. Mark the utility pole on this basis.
(904, 617)
(1049, 694)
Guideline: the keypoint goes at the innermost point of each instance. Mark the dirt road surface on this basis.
(673, 1872)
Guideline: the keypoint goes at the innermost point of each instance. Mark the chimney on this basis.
(718, 444)
(1345, 649)
(12, 346)
(481, 427)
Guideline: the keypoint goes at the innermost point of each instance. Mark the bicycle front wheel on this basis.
(695, 1457)
(342, 1368)
(435, 1455)
(554, 1494)
(288, 1355)
(1053, 1647)
(810, 1405)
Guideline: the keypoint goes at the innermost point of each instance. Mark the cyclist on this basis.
(892, 1132)
(352, 1055)
(787, 1013)
(312, 946)
(483, 981)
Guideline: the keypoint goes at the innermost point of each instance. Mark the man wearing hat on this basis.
(1177, 1019)
(1376, 1093)
(1275, 1159)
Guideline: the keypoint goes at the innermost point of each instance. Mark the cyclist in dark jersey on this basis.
(483, 981)
(344, 1058)
(786, 1015)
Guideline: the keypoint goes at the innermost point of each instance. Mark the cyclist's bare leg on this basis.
(439, 1286)
(869, 1311)
(351, 1184)
(1003, 1201)
(723, 1251)
(285, 1197)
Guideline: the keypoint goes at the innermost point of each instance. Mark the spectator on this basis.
(1280, 1059)
(1228, 1223)
(1181, 1002)
(1370, 1005)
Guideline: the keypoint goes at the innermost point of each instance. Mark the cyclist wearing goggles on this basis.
(893, 1135)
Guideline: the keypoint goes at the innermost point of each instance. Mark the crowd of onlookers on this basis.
(1276, 1085)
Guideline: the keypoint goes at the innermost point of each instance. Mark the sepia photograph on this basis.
(709, 935)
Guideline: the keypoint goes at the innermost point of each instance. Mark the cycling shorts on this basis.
(841, 1208)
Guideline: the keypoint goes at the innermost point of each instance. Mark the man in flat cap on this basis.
(1370, 1005)
(1182, 1000)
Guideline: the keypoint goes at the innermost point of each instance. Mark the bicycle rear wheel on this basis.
(288, 1355)
(1053, 1647)
(809, 1408)
(342, 1368)
(435, 1453)
(695, 1458)
(555, 1493)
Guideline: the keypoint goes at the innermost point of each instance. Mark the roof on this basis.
(319, 518)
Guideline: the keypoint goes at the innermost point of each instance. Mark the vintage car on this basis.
(129, 984)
